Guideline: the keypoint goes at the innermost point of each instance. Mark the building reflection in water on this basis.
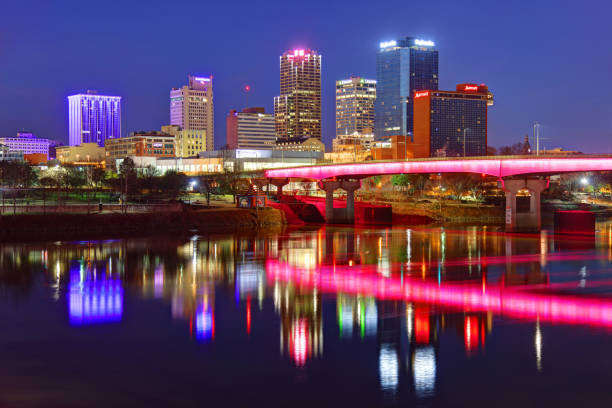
(93, 296)
(424, 371)
(399, 288)
(388, 367)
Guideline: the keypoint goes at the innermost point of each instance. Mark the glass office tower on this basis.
(402, 67)
(451, 123)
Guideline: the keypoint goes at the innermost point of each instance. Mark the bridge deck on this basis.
(498, 166)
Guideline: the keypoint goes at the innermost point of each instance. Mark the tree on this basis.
(172, 183)
(460, 183)
(127, 173)
(401, 180)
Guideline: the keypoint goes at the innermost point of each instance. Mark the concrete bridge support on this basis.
(340, 215)
(279, 183)
(524, 221)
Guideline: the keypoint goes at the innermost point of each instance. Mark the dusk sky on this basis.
(549, 61)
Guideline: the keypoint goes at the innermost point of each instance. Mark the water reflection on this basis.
(401, 290)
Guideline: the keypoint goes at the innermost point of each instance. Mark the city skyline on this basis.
(532, 60)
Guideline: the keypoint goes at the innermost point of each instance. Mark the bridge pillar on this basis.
(329, 186)
(524, 221)
(340, 215)
(350, 186)
(279, 183)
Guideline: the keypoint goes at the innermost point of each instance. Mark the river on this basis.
(321, 316)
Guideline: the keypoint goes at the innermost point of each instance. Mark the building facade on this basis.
(93, 118)
(85, 154)
(355, 98)
(27, 143)
(402, 67)
(297, 110)
(451, 123)
(153, 144)
(187, 142)
(250, 129)
(7, 154)
(192, 110)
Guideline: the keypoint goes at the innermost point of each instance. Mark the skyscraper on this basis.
(402, 67)
(297, 110)
(355, 99)
(192, 109)
(451, 123)
(93, 118)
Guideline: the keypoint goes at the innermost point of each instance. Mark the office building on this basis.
(355, 98)
(451, 123)
(297, 110)
(93, 118)
(250, 129)
(192, 110)
(153, 144)
(85, 154)
(403, 66)
(187, 142)
(7, 154)
(26, 143)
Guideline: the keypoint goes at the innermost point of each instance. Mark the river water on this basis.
(320, 317)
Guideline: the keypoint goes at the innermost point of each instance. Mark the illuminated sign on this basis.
(470, 88)
(298, 53)
(202, 79)
(158, 144)
(421, 94)
(387, 44)
(424, 43)
(345, 82)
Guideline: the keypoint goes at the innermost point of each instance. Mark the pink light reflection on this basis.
(493, 298)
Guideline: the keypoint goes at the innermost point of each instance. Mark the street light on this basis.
(584, 181)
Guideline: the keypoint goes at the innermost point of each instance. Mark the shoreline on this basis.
(28, 227)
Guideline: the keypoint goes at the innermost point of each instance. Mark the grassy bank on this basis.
(84, 226)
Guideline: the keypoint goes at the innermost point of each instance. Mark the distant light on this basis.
(424, 43)
(584, 181)
(421, 94)
(387, 44)
(247, 88)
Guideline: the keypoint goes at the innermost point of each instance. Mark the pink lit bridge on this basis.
(516, 173)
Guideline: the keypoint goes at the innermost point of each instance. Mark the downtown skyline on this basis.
(528, 69)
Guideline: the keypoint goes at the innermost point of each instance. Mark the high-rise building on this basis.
(355, 99)
(297, 110)
(192, 109)
(402, 67)
(250, 129)
(451, 123)
(93, 118)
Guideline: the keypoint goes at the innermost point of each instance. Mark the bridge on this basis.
(515, 173)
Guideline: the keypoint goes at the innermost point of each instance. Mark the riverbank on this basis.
(86, 226)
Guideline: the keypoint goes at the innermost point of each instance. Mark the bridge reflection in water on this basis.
(396, 289)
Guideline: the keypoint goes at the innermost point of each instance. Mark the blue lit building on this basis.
(93, 118)
(402, 67)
